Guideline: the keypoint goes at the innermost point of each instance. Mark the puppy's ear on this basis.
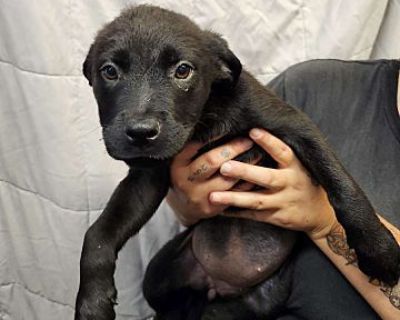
(229, 65)
(87, 65)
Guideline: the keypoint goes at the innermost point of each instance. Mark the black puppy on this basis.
(159, 82)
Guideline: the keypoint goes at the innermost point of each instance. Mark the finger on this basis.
(264, 177)
(275, 147)
(250, 200)
(242, 185)
(207, 164)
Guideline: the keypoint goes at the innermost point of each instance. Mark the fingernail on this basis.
(255, 133)
(226, 167)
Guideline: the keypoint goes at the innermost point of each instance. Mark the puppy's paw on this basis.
(96, 302)
(378, 255)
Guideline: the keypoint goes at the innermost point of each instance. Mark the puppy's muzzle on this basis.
(142, 132)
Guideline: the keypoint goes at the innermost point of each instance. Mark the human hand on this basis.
(289, 197)
(193, 180)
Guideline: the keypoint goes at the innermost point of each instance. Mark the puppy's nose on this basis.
(143, 131)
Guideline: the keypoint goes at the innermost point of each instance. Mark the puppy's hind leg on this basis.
(175, 285)
(266, 300)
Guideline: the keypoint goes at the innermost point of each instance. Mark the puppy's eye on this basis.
(183, 71)
(109, 72)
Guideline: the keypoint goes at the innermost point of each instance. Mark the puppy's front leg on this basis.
(130, 207)
(378, 253)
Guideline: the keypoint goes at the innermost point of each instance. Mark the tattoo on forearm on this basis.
(203, 169)
(337, 242)
(393, 293)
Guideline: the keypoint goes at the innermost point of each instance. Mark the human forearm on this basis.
(383, 299)
(395, 232)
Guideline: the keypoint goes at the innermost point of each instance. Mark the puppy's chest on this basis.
(238, 252)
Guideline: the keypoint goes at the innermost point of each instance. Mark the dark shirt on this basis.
(354, 103)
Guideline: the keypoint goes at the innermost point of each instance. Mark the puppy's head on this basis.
(152, 71)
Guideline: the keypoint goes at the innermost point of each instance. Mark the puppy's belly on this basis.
(239, 252)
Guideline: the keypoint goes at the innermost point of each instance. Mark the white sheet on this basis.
(55, 176)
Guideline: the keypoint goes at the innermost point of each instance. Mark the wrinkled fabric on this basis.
(55, 175)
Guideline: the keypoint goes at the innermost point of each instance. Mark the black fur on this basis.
(144, 45)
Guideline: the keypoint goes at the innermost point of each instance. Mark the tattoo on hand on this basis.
(337, 242)
(203, 169)
(225, 153)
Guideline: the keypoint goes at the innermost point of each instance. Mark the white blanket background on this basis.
(55, 174)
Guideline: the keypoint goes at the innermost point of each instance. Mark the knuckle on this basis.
(283, 150)
(211, 160)
(258, 204)
(283, 220)
(269, 179)
(292, 202)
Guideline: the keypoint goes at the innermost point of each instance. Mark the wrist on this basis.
(326, 227)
